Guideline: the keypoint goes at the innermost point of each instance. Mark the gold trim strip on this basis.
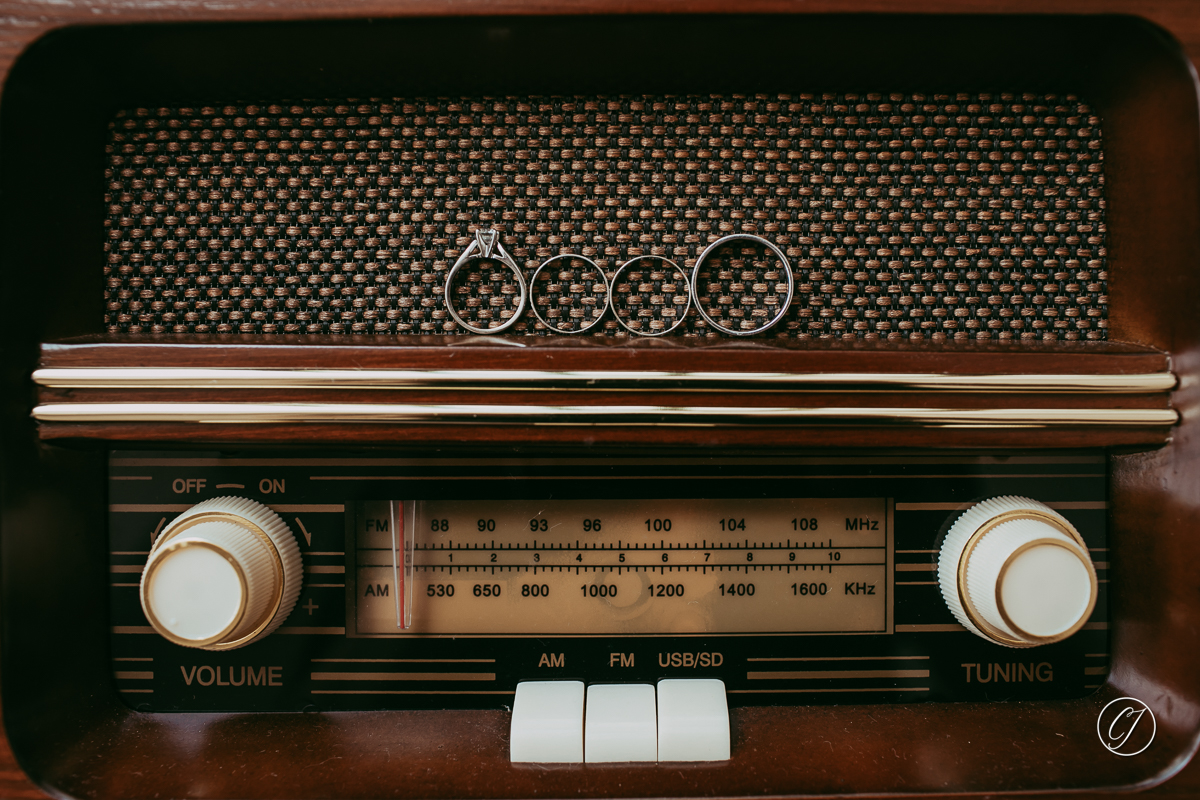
(608, 462)
(595, 415)
(403, 661)
(179, 508)
(932, 627)
(842, 673)
(402, 691)
(842, 658)
(1065, 505)
(849, 690)
(238, 378)
(403, 676)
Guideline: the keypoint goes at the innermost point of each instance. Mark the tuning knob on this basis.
(1017, 573)
(223, 574)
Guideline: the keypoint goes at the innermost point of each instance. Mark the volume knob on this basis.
(223, 574)
(1017, 573)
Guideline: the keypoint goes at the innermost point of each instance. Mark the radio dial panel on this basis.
(445, 583)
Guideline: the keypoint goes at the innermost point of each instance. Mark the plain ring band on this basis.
(712, 248)
(486, 245)
(612, 295)
(603, 278)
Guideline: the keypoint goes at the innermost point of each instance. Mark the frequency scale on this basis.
(624, 567)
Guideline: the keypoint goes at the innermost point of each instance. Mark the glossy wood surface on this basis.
(102, 752)
(26, 20)
(560, 353)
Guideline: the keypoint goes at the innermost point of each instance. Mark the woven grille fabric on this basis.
(904, 217)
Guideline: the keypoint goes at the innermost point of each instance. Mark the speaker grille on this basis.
(905, 217)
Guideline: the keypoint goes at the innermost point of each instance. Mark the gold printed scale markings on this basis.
(622, 556)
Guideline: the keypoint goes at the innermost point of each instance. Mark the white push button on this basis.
(621, 723)
(693, 720)
(547, 722)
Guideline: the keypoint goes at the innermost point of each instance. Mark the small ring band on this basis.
(712, 248)
(486, 245)
(612, 295)
(533, 286)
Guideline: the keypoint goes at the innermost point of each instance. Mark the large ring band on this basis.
(533, 288)
(712, 248)
(612, 294)
(486, 245)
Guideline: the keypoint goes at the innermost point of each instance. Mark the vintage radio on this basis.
(602, 406)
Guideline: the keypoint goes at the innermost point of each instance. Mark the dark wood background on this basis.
(23, 22)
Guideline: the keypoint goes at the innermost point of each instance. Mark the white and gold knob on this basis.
(1017, 573)
(223, 574)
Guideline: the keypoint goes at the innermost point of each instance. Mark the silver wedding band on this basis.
(712, 248)
(617, 279)
(603, 278)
